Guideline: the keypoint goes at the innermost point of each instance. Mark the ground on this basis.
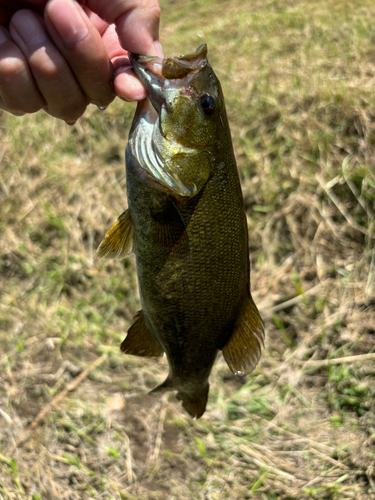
(298, 77)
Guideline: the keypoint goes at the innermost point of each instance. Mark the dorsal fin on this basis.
(118, 242)
(243, 349)
(139, 340)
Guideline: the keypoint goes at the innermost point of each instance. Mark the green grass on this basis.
(298, 79)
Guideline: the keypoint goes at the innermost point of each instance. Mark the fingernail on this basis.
(3, 35)
(158, 49)
(68, 20)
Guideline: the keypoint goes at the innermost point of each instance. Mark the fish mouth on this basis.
(169, 67)
(158, 74)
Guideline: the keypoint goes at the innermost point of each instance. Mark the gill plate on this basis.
(144, 146)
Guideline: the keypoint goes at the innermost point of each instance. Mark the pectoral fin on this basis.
(118, 242)
(243, 349)
(139, 340)
(169, 228)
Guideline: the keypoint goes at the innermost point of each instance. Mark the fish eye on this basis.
(208, 104)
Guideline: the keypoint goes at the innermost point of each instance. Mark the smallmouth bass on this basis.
(187, 227)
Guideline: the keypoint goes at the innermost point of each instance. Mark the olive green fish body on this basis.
(191, 292)
(188, 231)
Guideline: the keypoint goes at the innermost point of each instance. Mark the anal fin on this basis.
(243, 349)
(139, 340)
(118, 242)
(167, 385)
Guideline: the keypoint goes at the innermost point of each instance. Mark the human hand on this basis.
(58, 56)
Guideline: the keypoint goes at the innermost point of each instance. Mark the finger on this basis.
(19, 94)
(137, 22)
(52, 73)
(81, 45)
(137, 26)
(126, 84)
(95, 20)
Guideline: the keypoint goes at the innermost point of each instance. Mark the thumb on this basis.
(136, 21)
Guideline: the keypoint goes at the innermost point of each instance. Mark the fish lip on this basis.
(157, 73)
(146, 68)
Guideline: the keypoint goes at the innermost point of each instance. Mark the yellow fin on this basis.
(139, 340)
(118, 242)
(243, 349)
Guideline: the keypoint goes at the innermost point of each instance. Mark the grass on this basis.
(298, 79)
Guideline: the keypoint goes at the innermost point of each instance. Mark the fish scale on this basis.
(187, 227)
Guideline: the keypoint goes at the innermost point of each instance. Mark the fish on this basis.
(187, 227)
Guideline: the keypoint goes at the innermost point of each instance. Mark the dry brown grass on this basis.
(299, 82)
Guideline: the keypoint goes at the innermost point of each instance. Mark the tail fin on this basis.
(194, 402)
